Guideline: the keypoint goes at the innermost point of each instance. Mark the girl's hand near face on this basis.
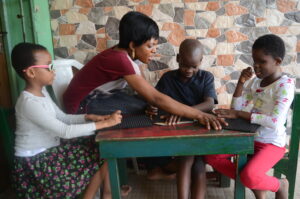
(245, 75)
(227, 113)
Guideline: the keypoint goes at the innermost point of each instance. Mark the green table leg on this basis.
(123, 171)
(292, 180)
(239, 191)
(114, 178)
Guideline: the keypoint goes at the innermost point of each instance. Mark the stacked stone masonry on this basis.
(227, 29)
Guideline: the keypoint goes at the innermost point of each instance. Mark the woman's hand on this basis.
(211, 121)
(151, 111)
(245, 75)
(96, 118)
(227, 113)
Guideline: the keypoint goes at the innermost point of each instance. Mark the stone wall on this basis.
(227, 29)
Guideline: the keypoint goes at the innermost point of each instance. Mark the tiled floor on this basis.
(145, 189)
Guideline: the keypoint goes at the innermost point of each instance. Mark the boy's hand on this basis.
(209, 121)
(171, 119)
(245, 75)
(96, 118)
(227, 113)
(114, 118)
(151, 111)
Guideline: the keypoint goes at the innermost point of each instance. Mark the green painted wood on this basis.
(176, 147)
(122, 171)
(211, 143)
(24, 21)
(114, 178)
(288, 165)
(7, 134)
(9, 9)
(239, 191)
(26, 11)
(41, 24)
(291, 177)
(281, 166)
(277, 174)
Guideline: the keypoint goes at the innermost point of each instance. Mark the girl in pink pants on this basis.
(253, 175)
(265, 100)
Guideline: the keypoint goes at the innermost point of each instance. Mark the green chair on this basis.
(288, 165)
(6, 123)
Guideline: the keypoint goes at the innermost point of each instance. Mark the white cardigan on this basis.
(40, 124)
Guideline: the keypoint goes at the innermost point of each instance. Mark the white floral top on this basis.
(269, 107)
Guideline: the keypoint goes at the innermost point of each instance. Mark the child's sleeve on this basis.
(69, 118)
(283, 100)
(36, 112)
(244, 101)
(66, 118)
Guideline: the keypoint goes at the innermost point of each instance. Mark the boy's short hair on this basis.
(271, 45)
(190, 45)
(138, 28)
(22, 56)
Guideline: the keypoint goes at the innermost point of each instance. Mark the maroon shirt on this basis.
(104, 72)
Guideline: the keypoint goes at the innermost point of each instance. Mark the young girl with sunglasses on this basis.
(44, 168)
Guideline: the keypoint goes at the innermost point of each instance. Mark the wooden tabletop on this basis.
(161, 132)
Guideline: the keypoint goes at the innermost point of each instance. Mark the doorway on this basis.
(5, 102)
(5, 95)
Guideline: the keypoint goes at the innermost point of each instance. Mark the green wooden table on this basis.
(180, 140)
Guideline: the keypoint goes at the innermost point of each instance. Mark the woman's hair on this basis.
(271, 45)
(138, 28)
(22, 56)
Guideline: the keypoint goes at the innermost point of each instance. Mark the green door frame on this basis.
(24, 21)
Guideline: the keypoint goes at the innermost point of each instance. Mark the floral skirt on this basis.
(60, 172)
